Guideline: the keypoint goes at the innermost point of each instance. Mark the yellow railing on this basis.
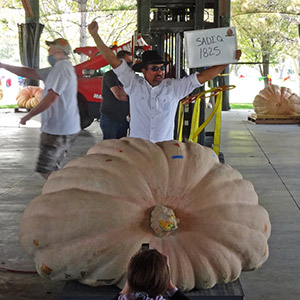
(217, 110)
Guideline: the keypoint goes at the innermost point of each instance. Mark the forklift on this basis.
(162, 25)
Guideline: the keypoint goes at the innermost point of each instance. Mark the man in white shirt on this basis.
(58, 106)
(153, 99)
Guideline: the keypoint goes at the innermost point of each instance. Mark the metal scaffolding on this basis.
(162, 24)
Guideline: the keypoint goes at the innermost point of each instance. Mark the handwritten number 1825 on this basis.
(209, 51)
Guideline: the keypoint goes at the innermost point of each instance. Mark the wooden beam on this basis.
(28, 11)
(224, 7)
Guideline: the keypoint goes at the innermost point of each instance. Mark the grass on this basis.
(241, 105)
(9, 106)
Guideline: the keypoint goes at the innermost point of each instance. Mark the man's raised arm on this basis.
(110, 57)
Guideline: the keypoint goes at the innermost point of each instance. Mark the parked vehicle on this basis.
(90, 74)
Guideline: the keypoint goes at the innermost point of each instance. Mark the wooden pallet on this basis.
(21, 109)
(274, 119)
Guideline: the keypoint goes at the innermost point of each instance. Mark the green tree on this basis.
(14, 4)
(69, 19)
(267, 30)
(11, 15)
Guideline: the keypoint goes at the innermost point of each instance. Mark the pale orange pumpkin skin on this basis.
(94, 214)
(275, 100)
(29, 97)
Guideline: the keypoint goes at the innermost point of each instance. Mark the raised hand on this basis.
(93, 28)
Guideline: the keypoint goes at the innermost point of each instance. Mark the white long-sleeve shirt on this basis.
(153, 109)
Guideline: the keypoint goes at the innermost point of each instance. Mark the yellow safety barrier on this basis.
(180, 121)
(225, 74)
(195, 128)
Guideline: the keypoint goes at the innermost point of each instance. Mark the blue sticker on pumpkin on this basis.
(177, 156)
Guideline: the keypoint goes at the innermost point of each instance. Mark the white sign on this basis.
(210, 47)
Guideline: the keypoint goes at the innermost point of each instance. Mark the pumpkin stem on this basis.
(163, 220)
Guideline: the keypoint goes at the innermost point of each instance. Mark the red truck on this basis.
(90, 74)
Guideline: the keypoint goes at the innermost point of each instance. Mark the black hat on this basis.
(148, 57)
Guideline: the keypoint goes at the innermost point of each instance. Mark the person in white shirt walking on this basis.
(153, 99)
(58, 107)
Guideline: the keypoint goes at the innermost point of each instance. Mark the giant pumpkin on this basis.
(29, 97)
(95, 213)
(276, 100)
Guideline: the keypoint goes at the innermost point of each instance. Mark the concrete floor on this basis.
(267, 155)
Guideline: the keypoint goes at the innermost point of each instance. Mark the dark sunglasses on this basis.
(156, 68)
